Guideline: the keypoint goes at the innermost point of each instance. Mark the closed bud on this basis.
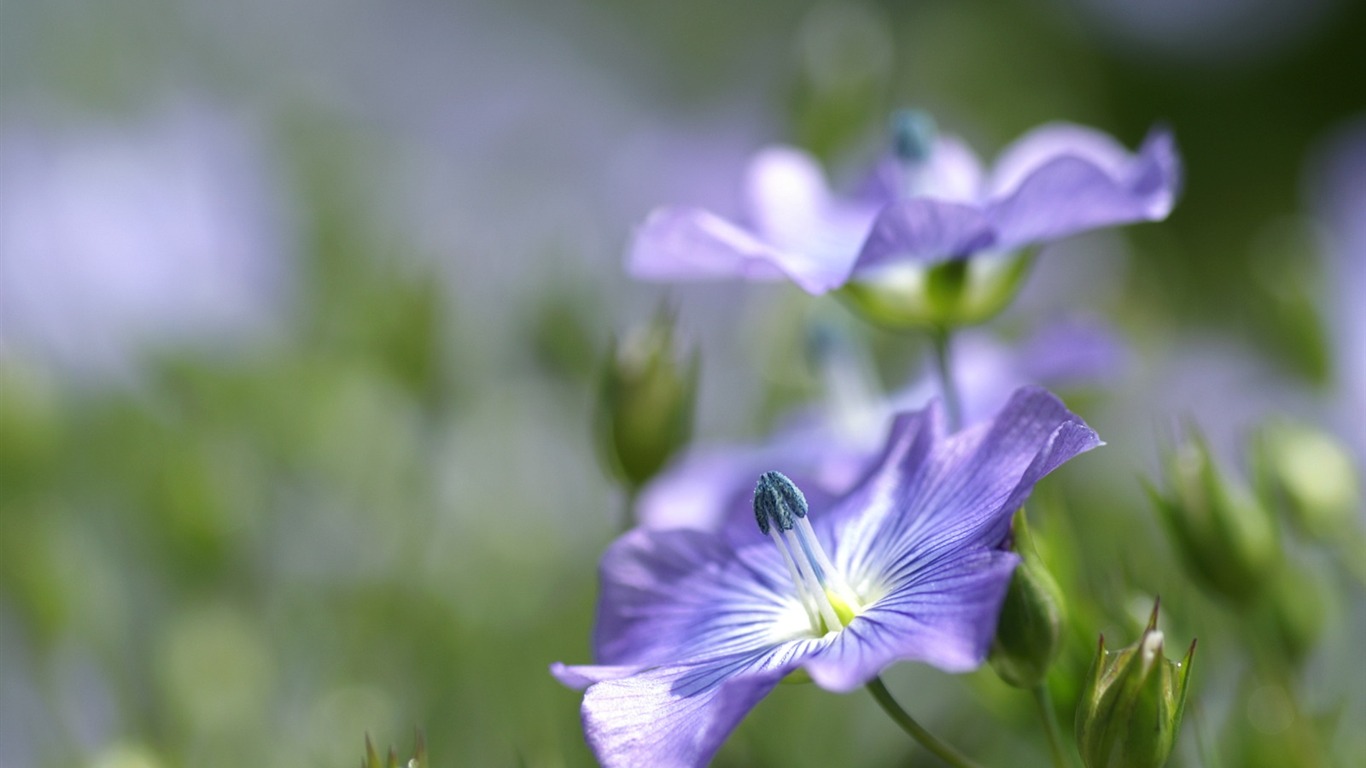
(958, 292)
(1224, 536)
(391, 760)
(1029, 631)
(1311, 477)
(1131, 703)
(645, 406)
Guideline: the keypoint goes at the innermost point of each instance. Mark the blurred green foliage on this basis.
(380, 519)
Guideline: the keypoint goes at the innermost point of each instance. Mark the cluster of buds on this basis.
(1131, 703)
(1224, 535)
(645, 402)
(418, 760)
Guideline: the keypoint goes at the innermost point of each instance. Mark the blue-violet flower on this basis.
(927, 202)
(694, 628)
(827, 449)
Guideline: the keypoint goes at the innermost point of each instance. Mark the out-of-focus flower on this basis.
(645, 405)
(1337, 183)
(116, 242)
(1225, 537)
(1029, 633)
(693, 628)
(827, 449)
(1131, 704)
(928, 204)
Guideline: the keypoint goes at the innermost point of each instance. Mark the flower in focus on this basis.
(694, 627)
(828, 448)
(928, 203)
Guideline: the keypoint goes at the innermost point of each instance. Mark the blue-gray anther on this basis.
(822, 338)
(913, 133)
(777, 501)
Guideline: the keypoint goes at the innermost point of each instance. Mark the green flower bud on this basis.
(1311, 476)
(645, 406)
(372, 758)
(964, 291)
(1029, 632)
(1131, 704)
(1225, 538)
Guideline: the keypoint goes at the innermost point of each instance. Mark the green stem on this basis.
(908, 724)
(1050, 724)
(946, 384)
(629, 513)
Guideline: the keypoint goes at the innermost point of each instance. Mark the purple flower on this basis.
(828, 449)
(693, 628)
(927, 203)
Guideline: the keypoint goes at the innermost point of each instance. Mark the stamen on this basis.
(808, 603)
(913, 133)
(814, 587)
(780, 510)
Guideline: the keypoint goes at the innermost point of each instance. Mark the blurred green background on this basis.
(302, 306)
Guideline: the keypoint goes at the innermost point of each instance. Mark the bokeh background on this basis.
(303, 306)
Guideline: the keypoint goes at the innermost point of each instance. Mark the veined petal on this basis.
(678, 715)
(926, 231)
(944, 617)
(960, 497)
(1062, 180)
(669, 596)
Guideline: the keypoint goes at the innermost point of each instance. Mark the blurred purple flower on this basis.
(115, 240)
(827, 450)
(693, 628)
(1337, 183)
(929, 202)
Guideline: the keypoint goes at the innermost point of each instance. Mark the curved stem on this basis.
(942, 362)
(1050, 724)
(629, 516)
(908, 724)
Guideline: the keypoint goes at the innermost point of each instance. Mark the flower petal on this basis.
(692, 244)
(678, 715)
(952, 173)
(946, 617)
(924, 230)
(669, 596)
(960, 497)
(1061, 180)
(792, 207)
